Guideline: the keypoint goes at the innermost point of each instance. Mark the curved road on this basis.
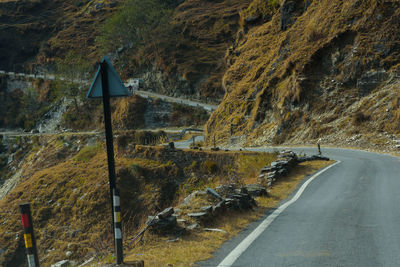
(145, 94)
(347, 216)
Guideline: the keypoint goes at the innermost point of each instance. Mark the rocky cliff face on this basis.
(313, 69)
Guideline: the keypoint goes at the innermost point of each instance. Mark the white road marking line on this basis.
(236, 252)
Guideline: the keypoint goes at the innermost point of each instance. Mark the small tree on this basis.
(134, 24)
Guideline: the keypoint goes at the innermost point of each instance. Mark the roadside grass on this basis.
(198, 245)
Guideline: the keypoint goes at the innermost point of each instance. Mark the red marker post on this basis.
(29, 237)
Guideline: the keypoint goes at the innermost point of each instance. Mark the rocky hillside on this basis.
(190, 59)
(286, 71)
(35, 32)
(304, 70)
(186, 58)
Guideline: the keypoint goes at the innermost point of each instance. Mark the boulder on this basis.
(192, 226)
(166, 213)
(268, 169)
(232, 203)
(256, 190)
(225, 189)
(207, 209)
(214, 193)
(313, 157)
(189, 198)
(219, 208)
(162, 225)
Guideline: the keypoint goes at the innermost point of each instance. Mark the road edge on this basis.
(230, 259)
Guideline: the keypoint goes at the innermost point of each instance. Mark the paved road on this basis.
(347, 216)
(188, 142)
(206, 106)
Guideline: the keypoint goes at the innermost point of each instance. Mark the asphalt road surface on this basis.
(208, 107)
(349, 215)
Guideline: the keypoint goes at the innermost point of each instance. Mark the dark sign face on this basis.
(115, 85)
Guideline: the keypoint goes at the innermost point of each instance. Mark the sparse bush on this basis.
(210, 166)
(133, 24)
(314, 34)
(261, 8)
(360, 118)
(136, 170)
(87, 153)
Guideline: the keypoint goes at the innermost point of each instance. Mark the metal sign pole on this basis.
(109, 134)
(107, 84)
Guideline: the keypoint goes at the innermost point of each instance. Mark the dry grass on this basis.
(274, 72)
(68, 192)
(199, 245)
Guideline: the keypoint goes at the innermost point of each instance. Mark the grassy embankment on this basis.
(200, 244)
(68, 192)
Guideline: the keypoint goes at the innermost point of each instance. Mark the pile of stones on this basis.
(310, 158)
(165, 221)
(226, 197)
(281, 167)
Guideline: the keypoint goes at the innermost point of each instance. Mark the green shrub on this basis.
(133, 24)
(88, 152)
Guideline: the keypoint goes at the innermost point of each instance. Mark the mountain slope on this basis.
(310, 71)
(35, 32)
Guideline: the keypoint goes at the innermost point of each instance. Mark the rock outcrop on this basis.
(305, 74)
(287, 160)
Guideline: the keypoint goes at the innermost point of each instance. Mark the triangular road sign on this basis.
(115, 85)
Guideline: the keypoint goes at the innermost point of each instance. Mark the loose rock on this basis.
(256, 190)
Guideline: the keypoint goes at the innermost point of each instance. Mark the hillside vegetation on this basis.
(64, 177)
(286, 71)
(186, 58)
(304, 70)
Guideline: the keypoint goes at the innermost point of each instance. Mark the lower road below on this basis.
(348, 215)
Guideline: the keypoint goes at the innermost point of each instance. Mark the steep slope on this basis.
(188, 58)
(34, 32)
(313, 69)
(64, 178)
